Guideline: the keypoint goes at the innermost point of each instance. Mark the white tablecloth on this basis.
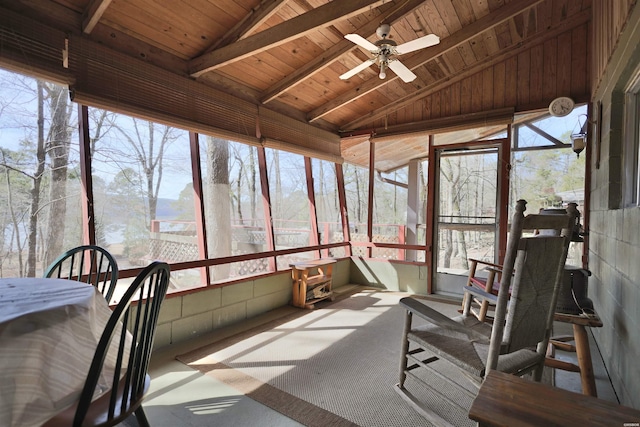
(49, 330)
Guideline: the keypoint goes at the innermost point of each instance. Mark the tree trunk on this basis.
(278, 196)
(252, 185)
(14, 220)
(219, 209)
(58, 150)
(238, 195)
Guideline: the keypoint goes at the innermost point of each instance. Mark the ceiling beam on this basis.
(391, 14)
(467, 32)
(93, 13)
(500, 116)
(291, 29)
(559, 28)
(256, 17)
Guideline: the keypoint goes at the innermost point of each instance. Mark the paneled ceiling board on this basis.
(150, 25)
(287, 56)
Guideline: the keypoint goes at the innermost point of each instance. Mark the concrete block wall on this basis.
(614, 230)
(388, 275)
(187, 315)
(614, 288)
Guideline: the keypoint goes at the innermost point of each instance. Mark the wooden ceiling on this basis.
(495, 57)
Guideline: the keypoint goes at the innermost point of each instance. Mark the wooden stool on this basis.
(581, 348)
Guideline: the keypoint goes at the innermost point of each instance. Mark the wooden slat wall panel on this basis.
(455, 99)
(524, 76)
(487, 89)
(538, 74)
(564, 63)
(579, 52)
(550, 69)
(499, 84)
(465, 96)
(609, 18)
(510, 92)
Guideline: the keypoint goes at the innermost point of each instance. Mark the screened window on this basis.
(631, 149)
(289, 203)
(232, 204)
(143, 194)
(325, 187)
(356, 189)
(390, 212)
(40, 188)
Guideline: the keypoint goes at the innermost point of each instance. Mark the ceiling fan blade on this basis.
(402, 71)
(357, 69)
(420, 43)
(362, 42)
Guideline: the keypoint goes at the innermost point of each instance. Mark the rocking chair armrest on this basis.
(497, 270)
(487, 263)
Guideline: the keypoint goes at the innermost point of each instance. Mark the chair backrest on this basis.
(90, 264)
(532, 271)
(134, 345)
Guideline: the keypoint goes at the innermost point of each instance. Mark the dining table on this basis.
(49, 331)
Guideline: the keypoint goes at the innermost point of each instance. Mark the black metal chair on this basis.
(88, 263)
(130, 381)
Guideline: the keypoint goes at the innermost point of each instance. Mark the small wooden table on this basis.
(310, 289)
(581, 348)
(508, 400)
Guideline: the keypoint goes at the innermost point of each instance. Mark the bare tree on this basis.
(57, 148)
(219, 209)
(455, 176)
(149, 146)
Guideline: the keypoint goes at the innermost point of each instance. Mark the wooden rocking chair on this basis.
(438, 351)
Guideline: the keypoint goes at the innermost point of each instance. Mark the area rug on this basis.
(334, 366)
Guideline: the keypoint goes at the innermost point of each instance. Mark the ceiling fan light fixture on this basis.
(385, 52)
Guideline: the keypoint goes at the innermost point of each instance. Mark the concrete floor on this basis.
(181, 396)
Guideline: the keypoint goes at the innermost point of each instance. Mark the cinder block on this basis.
(237, 292)
(268, 302)
(272, 284)
(229, 314)
(201, 302)
(192, 326)
(163, 336)
(171, 309)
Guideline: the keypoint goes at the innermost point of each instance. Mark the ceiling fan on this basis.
(385, 50)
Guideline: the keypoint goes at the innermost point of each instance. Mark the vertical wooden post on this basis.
(372, 170)
(430, 222)
(266, 204)
(198, 201)
(313, 217)
(344, 213)
(88, 223)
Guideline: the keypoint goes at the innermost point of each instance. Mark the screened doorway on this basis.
(466, 213)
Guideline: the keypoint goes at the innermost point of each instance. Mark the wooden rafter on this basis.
(299, 26)
(243, 29)
(456, 39)
(93, 13)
